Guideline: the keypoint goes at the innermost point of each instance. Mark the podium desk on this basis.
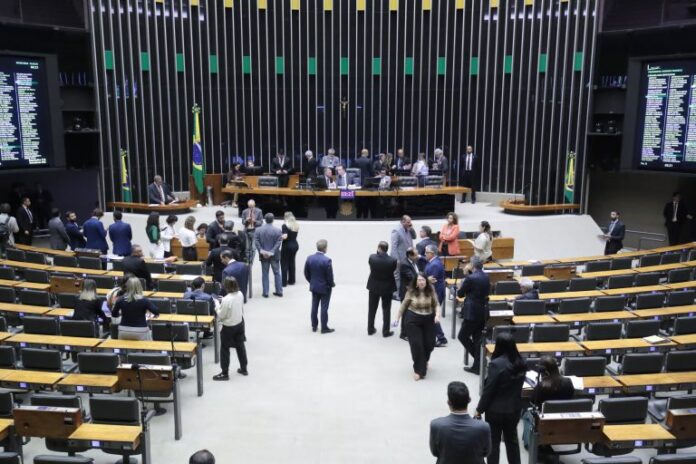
(88, 383)
(664, 381)
(54, 342)
(564, 429)
(665, 312)
(181, 350)
(636, 436)
(581, 319)
(625, 345)
(20, 309)
(682, 423)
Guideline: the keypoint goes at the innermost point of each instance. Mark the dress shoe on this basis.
(278, 294)
(265, 296)
(388, 334)
(221, 376)
(243, 372)
(403, 337)
(371, 331)
(440, 343)
(327, 330)
(314, 329)
(472, 370)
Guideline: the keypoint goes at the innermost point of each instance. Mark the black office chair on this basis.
(658, 407)
(641, 328)
(34, 257)
(86, 329)
(678, 275)
(98, 363)
(36, 276)
(10, 457)
(574, 306)
(212, 288)
(609, 303)
(46, 459)
(684, 325)
(117, 411)
(529, 307)
(685, 458)
(34, 297)
(7, 404)
(507, 287)
(533, 270)
(587, 366)
(3, 324)
(613, 460)
(189, 269)
(41, 325)
(621, 263)
(41, 359)
(89, 262)
(582, 284)
(66, 300)
(681, 298)
(65, 261)
(117, 265)
(8, 357)
(61, 445)
(598, 266)
(7, 273)
(621, 281)
(626, 410)
(176, 286)
(553, 286)
(164, 305)
(647, 278)
(520, 333)
(603, 330)
(550, 333)
(14, 254)
(155, 268)
(649, 260)
(640, 363)
(104, 281)
(157, 359)
(680, 361)
(650, 300)
(191, 307)
(8, 295)
(670, 258)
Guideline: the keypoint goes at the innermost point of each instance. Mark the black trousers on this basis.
(232, 337)
(505, 425)
(287, 263)
(373, 302)
(468, 180)
(421, 339)
(324, 299)
(674, 233)
(612, 247)
(470, 335)
(189, 253)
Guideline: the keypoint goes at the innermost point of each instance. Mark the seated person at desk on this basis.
(159, 193)
(236, 172)
(344, 179)
(135, 264)
(197, 293)
(88, 306)
(381, 180)
(326, 181)
(130, 311)
(527, 290)
(380, 163)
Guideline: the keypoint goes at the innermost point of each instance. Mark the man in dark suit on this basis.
(459, 438)
(381, 285)
(135, 264)
(475, 287)
(310, 165)
(236, 269)
(26, 222)
(72, 228)
(215, 257)
(408, 270)
(252, 218)
(676, 214)
(469, 167)
(435, 272)
(94, 232)
(121, 235)
(319, 273)
(215, 228)
(527, 290)
(425, 234)
(616, 230)
(280, 166)
(56, 229)
(364, 164)
(343, 178)
(159, 193)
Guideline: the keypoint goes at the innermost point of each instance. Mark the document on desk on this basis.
(655, 339)
(578, 383)
(531, 377)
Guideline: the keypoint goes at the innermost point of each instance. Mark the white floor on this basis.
(343, 397)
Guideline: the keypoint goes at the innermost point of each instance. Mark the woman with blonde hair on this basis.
(188, 239)
(289, 250)
(483, 242)
(88, 306)
(130, 312)
(449, 236)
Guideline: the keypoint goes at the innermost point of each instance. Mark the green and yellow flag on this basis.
(569, 187)
(126, 194)
(197, 156)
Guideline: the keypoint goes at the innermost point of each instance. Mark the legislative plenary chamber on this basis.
(348, 231)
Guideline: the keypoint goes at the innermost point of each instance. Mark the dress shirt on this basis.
(612, 224)
(231, 311)
(187, 237)
(469, 161)
(675, 206)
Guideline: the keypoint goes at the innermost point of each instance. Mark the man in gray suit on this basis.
(267, 241)
(401, 240)
(56, 230)
(459, 438)
(252, 218)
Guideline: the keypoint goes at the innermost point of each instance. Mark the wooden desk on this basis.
(569, 295)
(46, 251)
(680, 247)
(684, 341)
(126, 437)
(659, 268)
(665, 381)
(172, 295)
(515, 264)
(5, 335)
(600, 385)
(76, 270)
(583, 259)
(606, 274)
(181, 349)
(57, 342)
(634, 290)
(583, 318)
(198, 321)
(536, 278)
(681, 285)
(88, 383)
(21, 284)
(23, 265)
(60, 313)
(189, 277)
(624, 345)
(21, 309)
(666, 312)
(5, 426)
(636, 436)
(512, 206)
(7, 283)
(30, 380)
(533, 320)
(559, 348)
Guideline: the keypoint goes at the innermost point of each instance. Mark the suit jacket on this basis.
(310, 168)
(77, 240)
(268, 238)
(475, 164)
(258, 217)
(154, 194)
(25, 221)
(668, 213)
(322, 183)
(460, 439)
(215, 261)
(442, 165)
(401, 240)
(502, 389)
(58, 237)
(211, 235)
(137, 267)
(347, 179)
(121, 235)
(436, 269)
(95, 234)
(533, 294)
(407, 272)
(239, 271)
(277, 165)
(427, 241)
(365, 166)
(476, 287)
(381, 279)
(618, 233)
(319, 273)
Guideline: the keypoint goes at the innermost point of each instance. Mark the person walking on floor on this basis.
(435, 273)
(475, 287)
(381, 285)
(289, 250)
(232, 335)
(421, 310)
(401, 240)
(319, 273)
(267, 241)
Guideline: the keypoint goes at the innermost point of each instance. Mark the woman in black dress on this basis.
(289, 250)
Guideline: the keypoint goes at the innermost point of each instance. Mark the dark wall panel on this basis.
(508, 77)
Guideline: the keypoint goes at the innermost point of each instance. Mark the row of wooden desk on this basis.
(51, 252)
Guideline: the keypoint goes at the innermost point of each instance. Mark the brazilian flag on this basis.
(197, 156)
(126, 193)
(569, 187)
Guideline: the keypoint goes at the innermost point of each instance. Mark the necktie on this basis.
(674, 208)
(161, 192)
(31, 217)
(468, 162)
